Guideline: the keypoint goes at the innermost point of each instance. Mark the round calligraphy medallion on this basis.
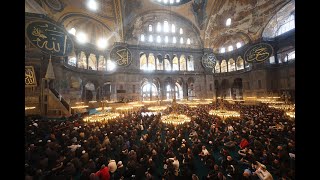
(209, 60)
(121, 55)
(54, 4)
(258, 53)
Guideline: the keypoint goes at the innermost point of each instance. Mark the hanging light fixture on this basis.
(224, 113)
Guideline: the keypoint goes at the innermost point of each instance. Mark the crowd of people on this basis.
(258, 145)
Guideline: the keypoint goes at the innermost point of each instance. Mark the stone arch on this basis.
(225, 88)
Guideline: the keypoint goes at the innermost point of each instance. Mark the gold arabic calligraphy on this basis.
(30, 79)
(124, 56)
(259, 54)
(49, 38)
(208, 63)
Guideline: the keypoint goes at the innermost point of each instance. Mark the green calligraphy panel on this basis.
(49, 38)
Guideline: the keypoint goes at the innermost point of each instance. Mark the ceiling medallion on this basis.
(54, 4)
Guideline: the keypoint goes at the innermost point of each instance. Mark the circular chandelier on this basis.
(101, 117)
(28, 108)
(138, 105)
(291, 114)
(282, 106)
(124, 108)
(157, 108)
(224, 113)
(175, 119)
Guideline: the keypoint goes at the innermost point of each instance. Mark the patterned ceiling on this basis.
(114, 18)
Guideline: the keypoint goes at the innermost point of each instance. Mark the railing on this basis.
(63, 101)
(233, 72)
(89, 71)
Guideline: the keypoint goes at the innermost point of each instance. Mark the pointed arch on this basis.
(224, 66)
(82, 60)
(151, 62)
(231, 65)
(92, 62)
(190, 63)
(143, 61)
(240, 63)
(217, 67)
(167, 63)
(175, 63)
(159, 61)
(183, 63)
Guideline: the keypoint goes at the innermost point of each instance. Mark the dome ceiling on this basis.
(114, 18)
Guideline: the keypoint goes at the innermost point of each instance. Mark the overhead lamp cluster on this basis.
(101, 117)
(28, 108)
(224, 113)
(175, 119)
(157, 108)
(291, 114)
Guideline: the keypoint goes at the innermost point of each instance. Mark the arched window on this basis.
(188, 41)
(230, 48)
(151, 62)
(217, 67)
(102, 63)
(181, 40)
(174, 40)
(148, 90)
(228, 22)
(168, 91)
(165, 26)
(150, 38)
(82, 60)
(72, 60)
(167, 64)
(142, 37)
(181, 31)
(92, 62)
(173, 28)
(190, 63)
(158, 39)
(183, 63)
(287, 26)
(222, 50)
(240, 63)
(175, 63)
(281, 22)
(143, 62)
(159, 62)
(224, 66)
(291, 55)
(150, 28)
(179, 91)
(231, 65)
(159, 27)
(166, 39)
